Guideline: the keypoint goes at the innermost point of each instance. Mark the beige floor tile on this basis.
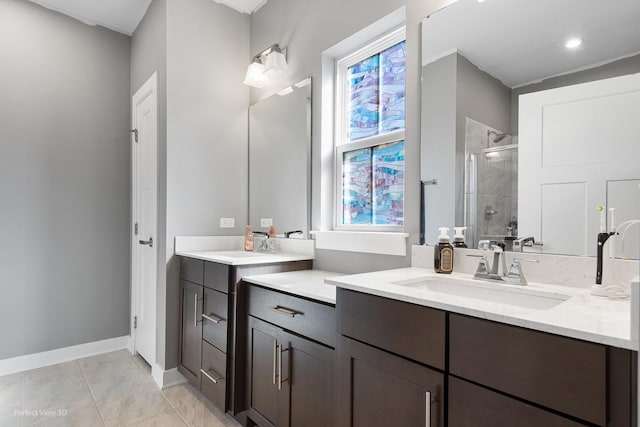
(166, 420)
(130, 409)
(195, 409)
(53, 396)
(79, 415)
(142, 364)
(63, 372)
(104, 359)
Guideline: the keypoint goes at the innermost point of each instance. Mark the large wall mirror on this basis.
(279, 160)
(529, 121)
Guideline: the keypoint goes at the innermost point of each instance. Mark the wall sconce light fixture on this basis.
(269, 62)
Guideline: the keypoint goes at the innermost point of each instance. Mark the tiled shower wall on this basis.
(496, 184)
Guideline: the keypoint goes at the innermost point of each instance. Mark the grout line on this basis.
(93, 397)
(175, 410)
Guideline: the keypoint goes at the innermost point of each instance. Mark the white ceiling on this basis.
(124, 16)
(522, 41)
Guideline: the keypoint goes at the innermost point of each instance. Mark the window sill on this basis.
(372, 242)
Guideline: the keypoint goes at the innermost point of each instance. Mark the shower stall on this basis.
(491, 184)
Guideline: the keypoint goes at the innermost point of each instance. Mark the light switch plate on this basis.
(227, 222)
(266, 222)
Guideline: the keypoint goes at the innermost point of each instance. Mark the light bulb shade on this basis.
(276, 63)
(255, 75)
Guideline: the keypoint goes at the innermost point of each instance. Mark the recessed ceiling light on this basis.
(573, 43)
(480, 1)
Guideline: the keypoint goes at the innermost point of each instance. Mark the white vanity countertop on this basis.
(305, 283)
(239, 257)
(582, 316)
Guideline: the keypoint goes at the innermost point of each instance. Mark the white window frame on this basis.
(341, 143)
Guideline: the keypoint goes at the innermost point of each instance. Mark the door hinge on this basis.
(135, 322)
(135, 229)
(135, 134)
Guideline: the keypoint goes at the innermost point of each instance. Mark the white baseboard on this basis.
(61, 355)
(168, 378)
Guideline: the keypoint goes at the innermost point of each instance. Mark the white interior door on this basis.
(144, 243)
(579, 148)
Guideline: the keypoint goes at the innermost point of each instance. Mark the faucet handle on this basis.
(515, 273)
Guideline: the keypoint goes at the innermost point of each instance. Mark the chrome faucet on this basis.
(498, 270)
(266, 244)
(498, 267)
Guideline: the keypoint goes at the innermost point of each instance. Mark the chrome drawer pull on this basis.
(284, 311)
(280, 380)
(212, 318)
(427, 405)
(206, 374)
(275, 357)
(195, 310)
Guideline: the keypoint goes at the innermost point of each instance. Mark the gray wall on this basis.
(307, 28)
(64, 181)
(453, 89)
(438, 143)
(482, 98)
(149, 55)
(207, 132)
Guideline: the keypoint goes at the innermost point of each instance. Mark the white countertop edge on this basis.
(305, 283)
(631, 343)
(261, 259)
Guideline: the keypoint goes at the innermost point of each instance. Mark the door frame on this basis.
(150, 86)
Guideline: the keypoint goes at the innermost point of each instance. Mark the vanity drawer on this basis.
(216, 276)
(473, 406)
(213, 378)
(215, 318)
(410, 330)
(311, 319)
(560, 373)
(192, 270)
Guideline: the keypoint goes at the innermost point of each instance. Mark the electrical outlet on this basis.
(266, 222)
(227, 222)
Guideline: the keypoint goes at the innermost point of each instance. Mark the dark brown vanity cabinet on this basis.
(378, 384)
(479, 373)
(208, 323)
(191, 337)
(290, 375)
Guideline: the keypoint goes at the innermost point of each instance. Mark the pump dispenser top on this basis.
(458, 238)
(444, 234)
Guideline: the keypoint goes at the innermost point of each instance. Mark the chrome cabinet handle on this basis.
(212, 318)
(147, 242)
(427, 405)
(280, 380)
(195, 310)
(206, 374)
(284, 311)
(275, 357)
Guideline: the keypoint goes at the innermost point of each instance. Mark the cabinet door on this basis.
(261, 363)
(308, 379)
(377, 388)
(191, 332)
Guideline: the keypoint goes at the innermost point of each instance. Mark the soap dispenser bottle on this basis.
(248, 239)
(443, 253)
(458, 238)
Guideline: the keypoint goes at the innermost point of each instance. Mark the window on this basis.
(370, 147)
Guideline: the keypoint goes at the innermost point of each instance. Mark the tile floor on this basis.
(112, 389)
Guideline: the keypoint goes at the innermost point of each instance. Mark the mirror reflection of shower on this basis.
(491, 183)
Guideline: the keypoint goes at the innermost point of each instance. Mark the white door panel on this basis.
(576, 137)
(145, 215)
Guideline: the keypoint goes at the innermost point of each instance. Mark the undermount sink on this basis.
(240, 254)
(497, 293)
